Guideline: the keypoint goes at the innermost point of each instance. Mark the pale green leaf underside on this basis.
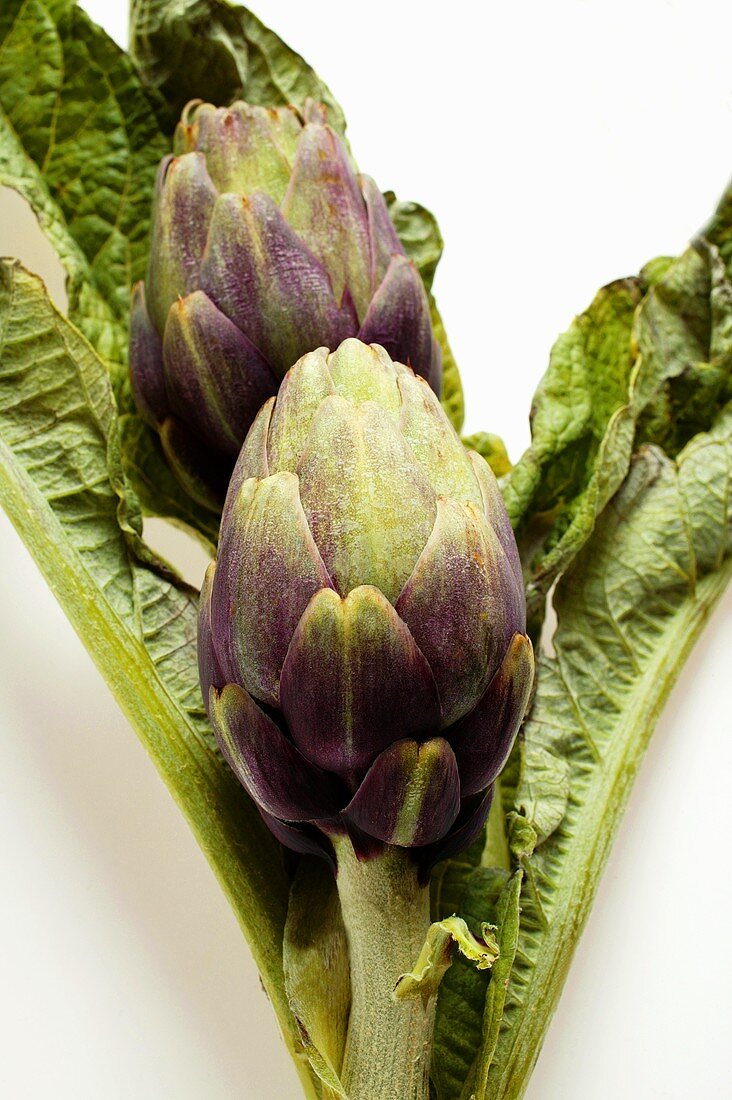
(57, 429)
(629, 609)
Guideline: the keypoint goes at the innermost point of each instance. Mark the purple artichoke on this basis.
(361, 638)
(265, 245)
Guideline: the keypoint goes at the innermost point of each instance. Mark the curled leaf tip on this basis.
(436, 956)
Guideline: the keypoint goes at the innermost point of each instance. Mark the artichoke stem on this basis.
(387, 916)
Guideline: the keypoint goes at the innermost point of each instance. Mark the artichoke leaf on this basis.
(582, 437)
(629, 608)
(476, 892)
(648, 362)
(58, 430)
(219, 52)
(79, 141)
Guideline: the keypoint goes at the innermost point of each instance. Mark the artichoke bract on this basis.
(265, 244)
(361, 638)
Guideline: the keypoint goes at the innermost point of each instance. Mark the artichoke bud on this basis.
(265, 243)
(362, 644)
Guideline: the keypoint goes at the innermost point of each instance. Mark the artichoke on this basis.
(361, 640)
(265, 245)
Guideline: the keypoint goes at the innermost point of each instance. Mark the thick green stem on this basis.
(387, 916)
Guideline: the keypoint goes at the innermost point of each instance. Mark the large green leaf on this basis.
(639, 572)
(213, 50)
(79, 140)
(629, 609)
(57, 435)
(648, 361)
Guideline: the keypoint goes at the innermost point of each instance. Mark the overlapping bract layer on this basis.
(265, 244)
(361, 643)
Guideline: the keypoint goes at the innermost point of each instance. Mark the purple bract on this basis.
(362, 641)
(266, 243)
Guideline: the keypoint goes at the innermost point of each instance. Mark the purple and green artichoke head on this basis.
(265, 244)
(361, 638)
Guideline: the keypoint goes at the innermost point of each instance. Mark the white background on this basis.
(561, 146)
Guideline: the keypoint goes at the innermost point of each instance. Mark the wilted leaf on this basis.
(582, 436)
(647, 362)
(219, 52)
(683, 332)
